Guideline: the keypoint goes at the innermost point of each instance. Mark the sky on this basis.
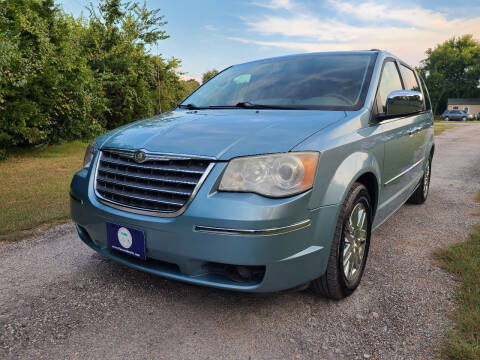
(207, 34)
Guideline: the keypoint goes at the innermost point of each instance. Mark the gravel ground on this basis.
(59, 299)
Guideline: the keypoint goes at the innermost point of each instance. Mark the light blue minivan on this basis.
(270, 176)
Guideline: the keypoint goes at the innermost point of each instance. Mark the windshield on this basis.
(326, 81)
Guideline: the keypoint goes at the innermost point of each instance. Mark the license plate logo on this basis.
(125, 237)
(127, 240)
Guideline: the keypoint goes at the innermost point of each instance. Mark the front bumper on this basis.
(184, 248)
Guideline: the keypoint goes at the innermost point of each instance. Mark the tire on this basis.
(338, 282)
(421, 193)
(446, 118)
(464, 119)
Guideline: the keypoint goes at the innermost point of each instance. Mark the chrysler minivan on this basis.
(270, 176)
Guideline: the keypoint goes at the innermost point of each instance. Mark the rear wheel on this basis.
(348, 254)
(446, 118)
(464, 119)
(420, 195)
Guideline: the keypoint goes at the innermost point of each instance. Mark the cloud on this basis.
(298, 46)
(304, 25)
(411, 15)
(275, 4)
(187, 77)
(407, 32)
(209, 27)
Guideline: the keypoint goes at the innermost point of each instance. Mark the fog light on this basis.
(244, 272)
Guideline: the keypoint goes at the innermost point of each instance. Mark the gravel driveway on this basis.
(59, 299)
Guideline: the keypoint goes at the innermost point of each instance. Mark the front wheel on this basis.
(348, 254)
(421, 193)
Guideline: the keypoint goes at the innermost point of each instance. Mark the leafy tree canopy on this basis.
(208, 75)
(189, 86)
(63, 78)
(452, 70)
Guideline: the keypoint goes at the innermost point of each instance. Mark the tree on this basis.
(115, 45)
(208, 75)
(46, 88)
(63, 78)
(189, 86)
(452, 69)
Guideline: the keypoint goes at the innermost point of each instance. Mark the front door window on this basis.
(390, 82)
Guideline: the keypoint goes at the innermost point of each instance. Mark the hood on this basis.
(222, 134)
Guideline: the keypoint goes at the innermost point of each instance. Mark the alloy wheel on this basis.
(426, 179)
(355, 241)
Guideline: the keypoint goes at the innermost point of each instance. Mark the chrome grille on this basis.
(162, 183)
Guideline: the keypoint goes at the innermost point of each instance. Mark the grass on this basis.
(463, 261)
(34, 188)
(451, 121)
(440, 128)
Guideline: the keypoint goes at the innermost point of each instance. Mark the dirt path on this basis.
(58, 299)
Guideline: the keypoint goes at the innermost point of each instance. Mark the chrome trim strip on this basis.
(145, 166)
(156, 156)
(166, 202)
(145, 177)
(404, 172)
(136, 186)
(271, 231)
(135, 210)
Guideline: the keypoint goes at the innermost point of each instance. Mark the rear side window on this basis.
(389, 82)
(428, 103)
(409, 79)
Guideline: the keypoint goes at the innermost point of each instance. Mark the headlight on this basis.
(275, 175)
(89, 153)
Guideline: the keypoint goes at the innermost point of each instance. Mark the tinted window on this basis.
(409, 79)
(389, 82)
(428, 103)
(318, 81)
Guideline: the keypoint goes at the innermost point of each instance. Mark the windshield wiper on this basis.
(243, 105)
(249, 105)
(246, 104)
(189, 106)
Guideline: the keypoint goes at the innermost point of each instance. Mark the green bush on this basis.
(63, 78)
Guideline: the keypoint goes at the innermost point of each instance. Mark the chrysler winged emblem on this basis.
(139, 156)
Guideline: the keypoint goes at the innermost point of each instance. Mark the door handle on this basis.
(414, 131)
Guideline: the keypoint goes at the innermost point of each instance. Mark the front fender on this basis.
(345, 173)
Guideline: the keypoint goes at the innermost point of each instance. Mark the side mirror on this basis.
(403, 102)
